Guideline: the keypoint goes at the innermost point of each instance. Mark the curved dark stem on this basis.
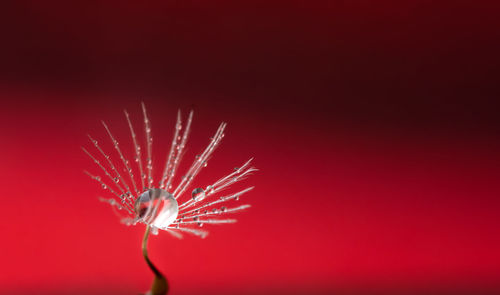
(160, 284)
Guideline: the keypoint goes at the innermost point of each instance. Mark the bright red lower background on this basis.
(374, 126)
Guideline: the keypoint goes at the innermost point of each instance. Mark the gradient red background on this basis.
(375, 126)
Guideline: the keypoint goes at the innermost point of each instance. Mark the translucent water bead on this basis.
(156, 207)
(198, 194)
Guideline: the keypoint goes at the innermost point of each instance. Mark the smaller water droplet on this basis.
(198, 194)
(223, 209)
(196, 218)
(104, 186)
(200, 224)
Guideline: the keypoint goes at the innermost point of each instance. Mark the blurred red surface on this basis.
(374, 127)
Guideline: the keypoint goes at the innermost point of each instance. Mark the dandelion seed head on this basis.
(168, 206)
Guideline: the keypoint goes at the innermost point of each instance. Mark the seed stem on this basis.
(160, 284)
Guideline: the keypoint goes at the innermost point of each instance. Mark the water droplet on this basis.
(98, 178)
(198, 194)
(158, 200)
(205, 164)
(104, 186)
(223, 209)
(196, 218)
(200, 224)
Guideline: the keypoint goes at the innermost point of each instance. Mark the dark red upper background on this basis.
(375, 126)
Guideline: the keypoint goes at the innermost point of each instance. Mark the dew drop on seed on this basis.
(156, 207)
(198, 194)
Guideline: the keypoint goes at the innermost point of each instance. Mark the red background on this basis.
(375, 126)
